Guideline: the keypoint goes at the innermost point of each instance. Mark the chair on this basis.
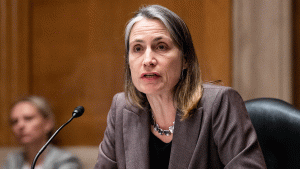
(277, 124)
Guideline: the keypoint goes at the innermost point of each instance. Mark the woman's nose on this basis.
(20, 125)
(149, 58)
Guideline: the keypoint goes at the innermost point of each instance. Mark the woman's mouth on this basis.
(150, 75)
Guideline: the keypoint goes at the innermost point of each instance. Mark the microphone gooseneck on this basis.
(78, 111)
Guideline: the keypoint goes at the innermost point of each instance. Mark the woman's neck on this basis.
(31, 151)
(164, 113)
(163, 110)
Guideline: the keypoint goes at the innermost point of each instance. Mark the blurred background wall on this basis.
(72, 53)
(262, 52)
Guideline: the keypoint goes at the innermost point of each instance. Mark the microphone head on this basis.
(78, 111)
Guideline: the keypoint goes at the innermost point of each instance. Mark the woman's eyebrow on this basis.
(136, 40)
(162, 37)
(158, 38)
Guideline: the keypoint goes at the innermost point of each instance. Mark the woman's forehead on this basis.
(24, 108)
(152, 27)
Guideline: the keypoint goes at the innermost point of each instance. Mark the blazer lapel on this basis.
(184, 140)
(136, 129)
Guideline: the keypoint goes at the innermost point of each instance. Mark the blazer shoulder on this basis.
(214, 93)
(120, 102)
(210, 90)
(119, 97)
(60, 157)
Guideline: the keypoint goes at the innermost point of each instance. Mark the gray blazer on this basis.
(55, 159)
(218, 135)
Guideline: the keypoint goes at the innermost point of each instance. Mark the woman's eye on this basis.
(137, 48)
(161, 47)
(13, 122)
(28, 118)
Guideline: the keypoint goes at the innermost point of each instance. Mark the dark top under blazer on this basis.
(218, 135)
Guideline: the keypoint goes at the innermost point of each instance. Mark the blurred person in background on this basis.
(32, 122)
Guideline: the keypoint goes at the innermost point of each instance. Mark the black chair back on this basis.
(277, 124)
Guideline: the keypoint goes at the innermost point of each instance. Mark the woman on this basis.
(32, 122)
(167, 118)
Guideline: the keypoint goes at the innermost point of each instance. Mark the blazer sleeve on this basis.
(234, 133)
(107, 156)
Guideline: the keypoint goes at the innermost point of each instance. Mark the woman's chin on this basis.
(25, 142)
(150, 92)
(28, 142)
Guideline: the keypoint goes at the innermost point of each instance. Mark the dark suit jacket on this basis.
(218, 135)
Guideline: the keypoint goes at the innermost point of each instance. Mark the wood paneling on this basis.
(76, 51)
(14, 60)
(296, 50)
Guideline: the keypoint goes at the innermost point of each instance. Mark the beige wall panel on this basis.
(262, 57)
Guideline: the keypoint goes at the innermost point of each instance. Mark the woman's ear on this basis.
(49, 125)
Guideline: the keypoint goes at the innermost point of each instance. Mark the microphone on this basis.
(78, 111)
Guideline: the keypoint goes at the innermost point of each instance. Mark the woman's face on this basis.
(154, 59)
(28, 125)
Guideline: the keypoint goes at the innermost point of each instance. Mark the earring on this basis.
(182, 74)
